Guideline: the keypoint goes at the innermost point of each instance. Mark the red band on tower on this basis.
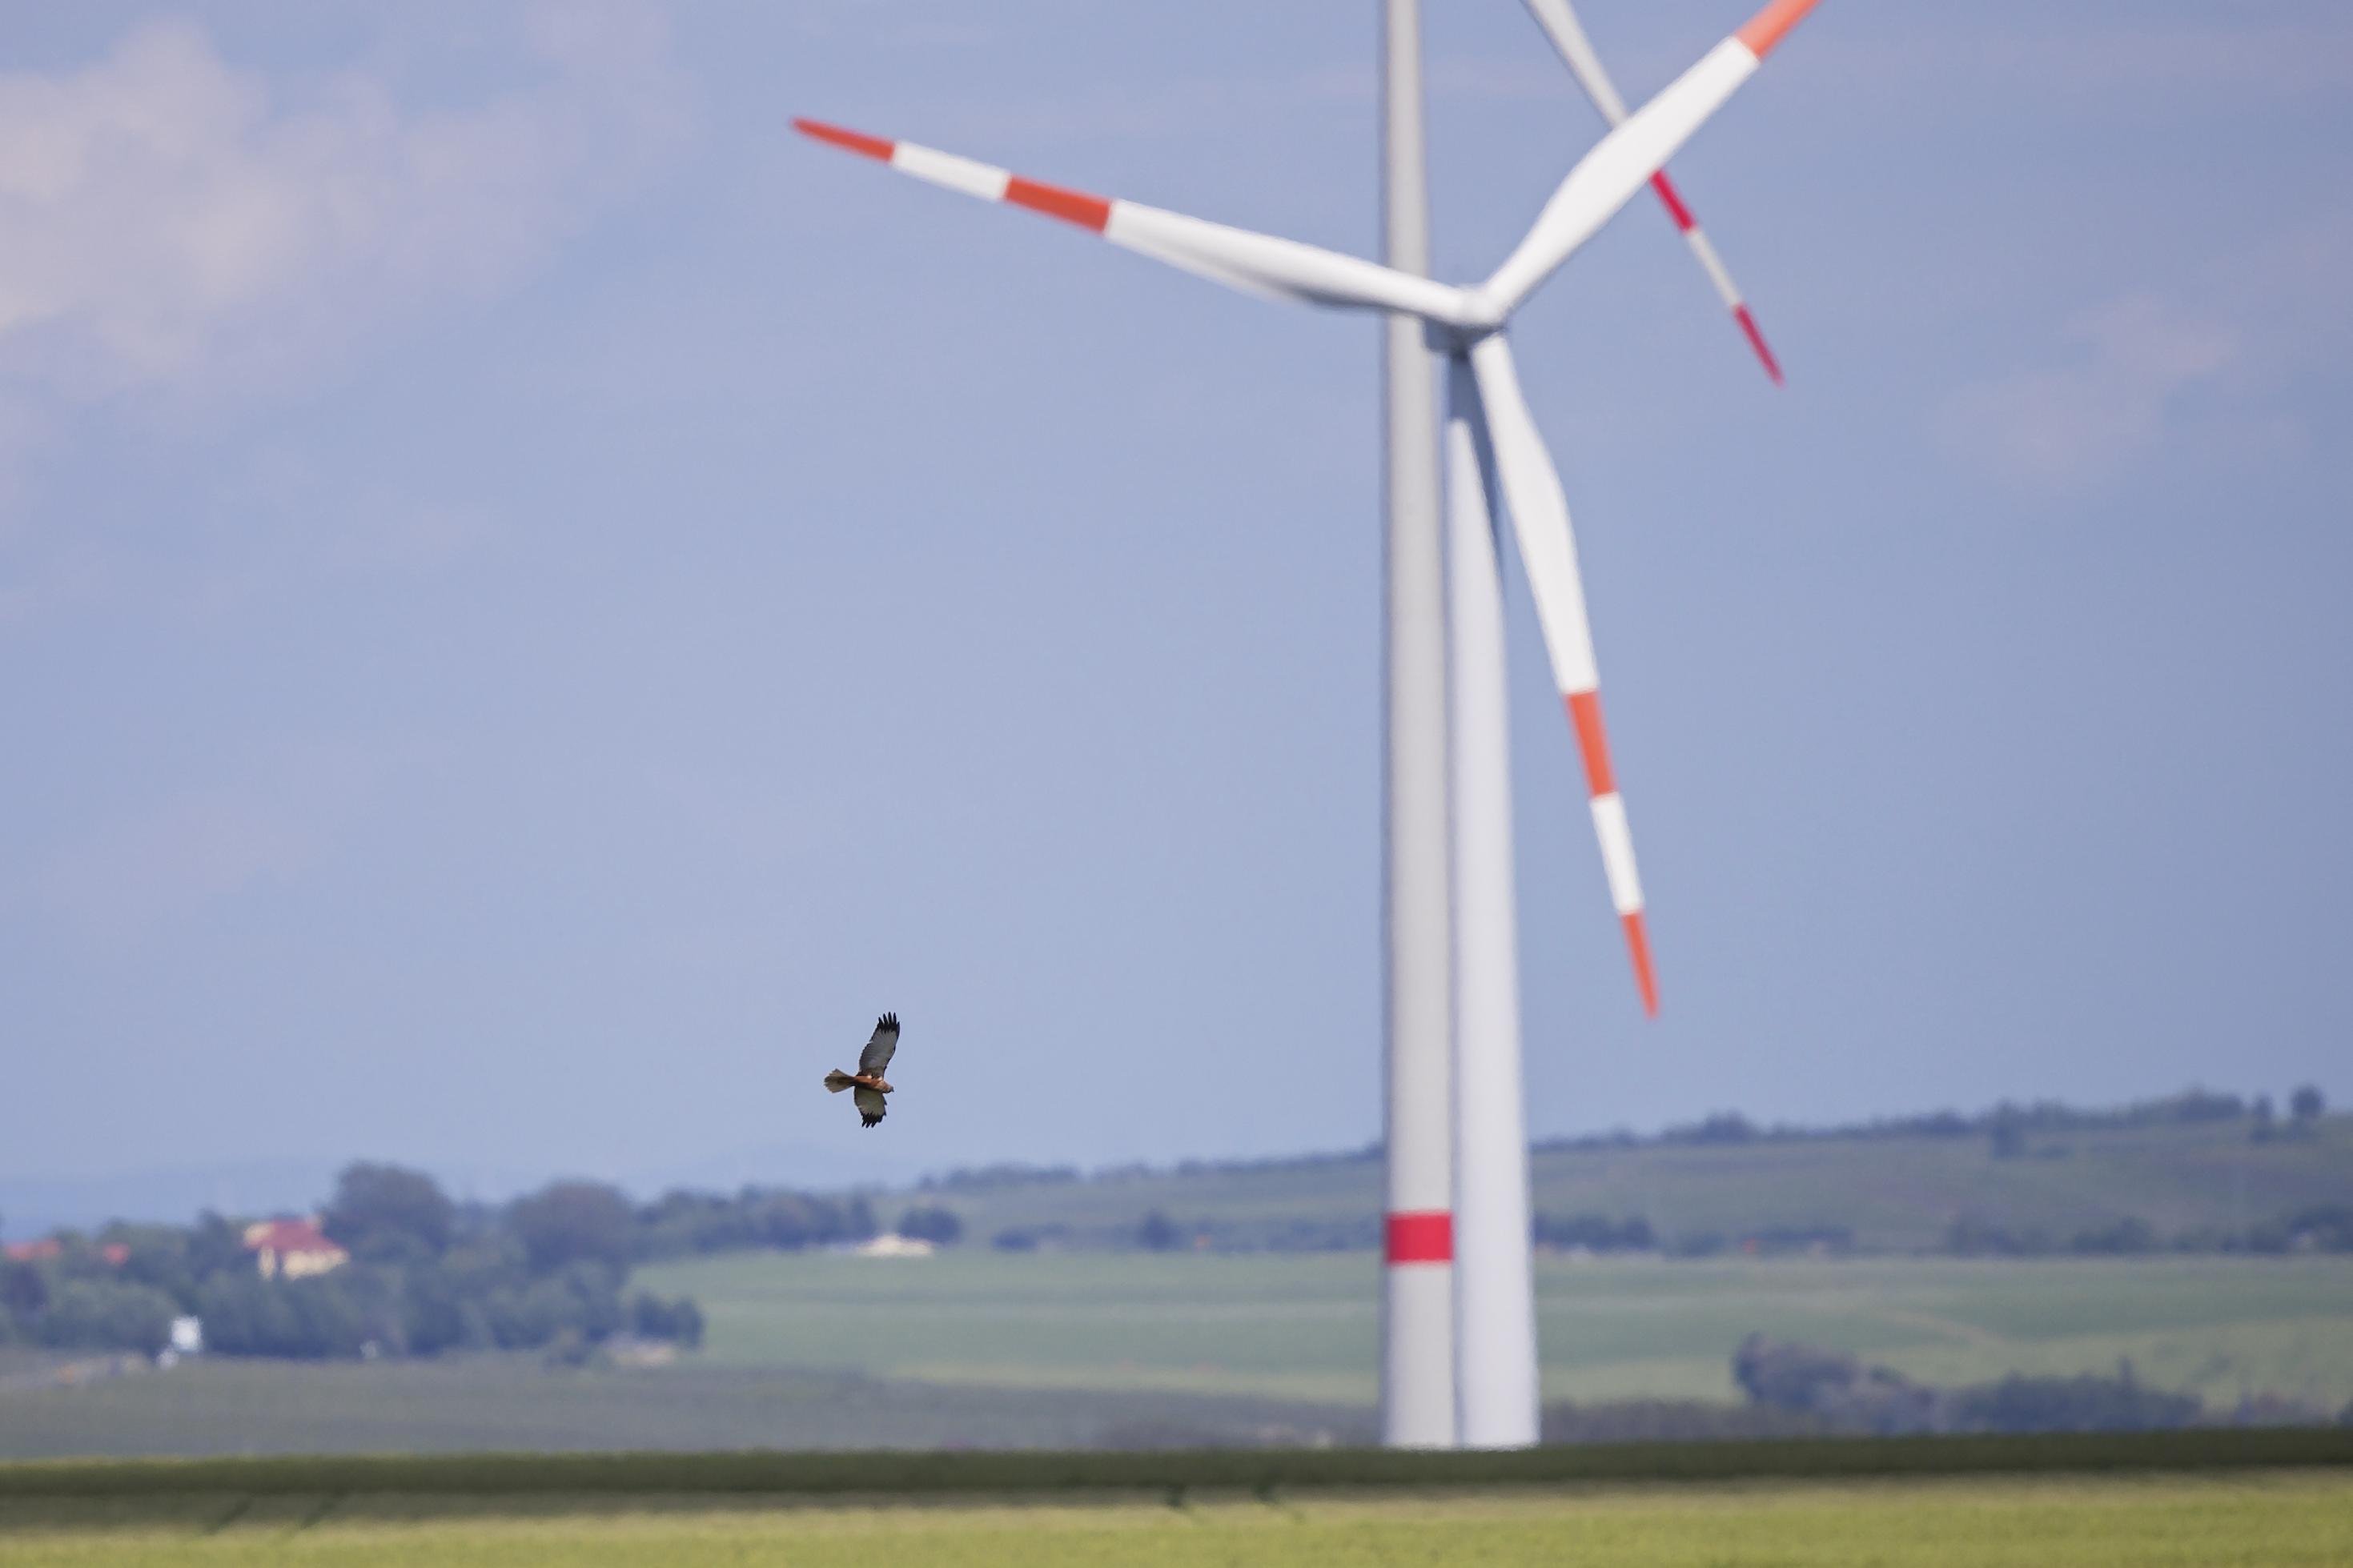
(1424, 1238)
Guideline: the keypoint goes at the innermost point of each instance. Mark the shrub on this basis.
(2127, 1235)
(1973, 1237)
(320, 1317)
(385, 1212)
(573, 1222)
(2069, 1404)
(23, 1289)
(1788, 1376)
(94, 1315)
(933, 1222)
(1595, 1233)
(680, 1322)
(436, 1316)
(1158, 1232)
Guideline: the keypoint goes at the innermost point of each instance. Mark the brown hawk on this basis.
(867, 1079)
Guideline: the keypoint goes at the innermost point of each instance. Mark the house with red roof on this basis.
(296, 1248)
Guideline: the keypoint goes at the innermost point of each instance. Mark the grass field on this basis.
(1302, 1326)
(2280, 1519)
(984, 1349)
(462, 1404)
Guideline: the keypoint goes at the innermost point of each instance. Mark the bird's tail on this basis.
(838, 1081)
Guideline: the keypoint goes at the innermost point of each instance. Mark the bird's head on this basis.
(881, 1088)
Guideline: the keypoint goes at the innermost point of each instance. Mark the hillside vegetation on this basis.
(2203, 1173)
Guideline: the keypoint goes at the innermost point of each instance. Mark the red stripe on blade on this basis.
(1070, 207)
(1674, 201)
(1426, 1238)
(1756, 340)
(848, 140)
(1638, 944)
(1585, 712)
(1771, 24)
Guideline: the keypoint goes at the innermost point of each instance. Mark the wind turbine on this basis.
(1488, 419)
(1496, 1370)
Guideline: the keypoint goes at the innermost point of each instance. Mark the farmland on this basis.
(975, 1347)
(1302, 1326)
(2278, 1517)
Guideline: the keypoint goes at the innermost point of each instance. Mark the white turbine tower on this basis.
(1496, 1366)
(1417, 1304)
(1487, 416)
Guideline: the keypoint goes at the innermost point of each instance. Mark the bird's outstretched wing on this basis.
(871, 1106)
(881, 1047)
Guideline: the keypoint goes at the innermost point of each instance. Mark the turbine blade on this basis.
(1575, 50)
(1607, 178)
(1539, 512)
(1568, 40)
(1254, 263)
(1725, 288)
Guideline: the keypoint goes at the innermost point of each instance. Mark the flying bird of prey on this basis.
(867, 1079)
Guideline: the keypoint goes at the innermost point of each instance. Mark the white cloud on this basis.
(170, 220)
(2083, 422)
(2215, 369)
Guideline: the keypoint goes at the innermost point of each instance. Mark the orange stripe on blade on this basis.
(1070, 207)
(1638, 944)
(1585, 712)
(848, 140)
(1768, 26)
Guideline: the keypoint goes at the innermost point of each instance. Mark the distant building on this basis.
(627, 1350)
(296, 1248)
(115, 1253)
(187, 1335)
(890, 1245)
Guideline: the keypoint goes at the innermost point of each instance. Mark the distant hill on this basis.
(2197, 1170)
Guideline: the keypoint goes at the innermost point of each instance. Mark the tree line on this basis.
(1839, 1392)
(548, 1271)
(2006, 1125)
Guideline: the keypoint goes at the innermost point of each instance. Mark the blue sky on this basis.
(533, 602)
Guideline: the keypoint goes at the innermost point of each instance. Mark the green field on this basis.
(2280, 1519)
(979, 1348)
(460, 1404)
(1892, 1193)
(1303, 1326)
